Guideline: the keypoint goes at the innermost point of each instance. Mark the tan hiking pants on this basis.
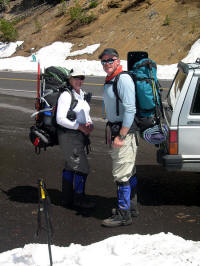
(123, 159)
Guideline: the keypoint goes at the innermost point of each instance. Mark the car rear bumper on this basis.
(177, 162)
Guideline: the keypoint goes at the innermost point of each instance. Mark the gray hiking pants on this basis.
(72, 144)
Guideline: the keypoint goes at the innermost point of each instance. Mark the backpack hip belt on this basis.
(111, 131)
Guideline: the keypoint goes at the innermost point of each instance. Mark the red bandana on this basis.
(117, 71)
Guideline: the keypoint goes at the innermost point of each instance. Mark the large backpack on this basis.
(51, 84)
(149, 110)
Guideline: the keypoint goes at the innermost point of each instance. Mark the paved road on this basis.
(168, 201)
(25, 84)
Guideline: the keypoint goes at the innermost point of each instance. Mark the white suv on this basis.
(181, 151)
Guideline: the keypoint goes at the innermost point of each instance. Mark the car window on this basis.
(176, 88)
(196, 103)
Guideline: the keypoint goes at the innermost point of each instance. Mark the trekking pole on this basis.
(45, 201)
(38, 90)
(153, 82)
(156, 97)
(155, 94)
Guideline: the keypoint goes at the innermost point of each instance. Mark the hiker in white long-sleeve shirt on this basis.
(74, 126)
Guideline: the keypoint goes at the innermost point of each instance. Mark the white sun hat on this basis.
(77, 73)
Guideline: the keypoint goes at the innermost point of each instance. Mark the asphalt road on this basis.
(168, 201)
(25, 84)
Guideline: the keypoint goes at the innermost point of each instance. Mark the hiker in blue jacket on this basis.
(73, 132)
(123, 139)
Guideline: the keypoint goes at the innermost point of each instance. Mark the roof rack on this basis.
(187, 66)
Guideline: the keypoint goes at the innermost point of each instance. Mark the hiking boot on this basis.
(81, 201)
(134, 211)
(134, 208)
(119, 218)
(67, 188)
(133, 201)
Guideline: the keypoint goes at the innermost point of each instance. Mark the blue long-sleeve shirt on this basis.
(127, 108)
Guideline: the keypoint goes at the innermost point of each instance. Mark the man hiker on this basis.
(123, 148)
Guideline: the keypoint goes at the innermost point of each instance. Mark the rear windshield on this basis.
(196, 103)
(176, 88)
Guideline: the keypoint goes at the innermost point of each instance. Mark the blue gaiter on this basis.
(79, 183)
(124, 193)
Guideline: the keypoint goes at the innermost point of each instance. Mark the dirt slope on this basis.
(164, 28)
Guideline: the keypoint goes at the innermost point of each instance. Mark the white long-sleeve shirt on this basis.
(82, 110)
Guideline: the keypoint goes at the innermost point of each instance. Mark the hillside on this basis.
(164, 28)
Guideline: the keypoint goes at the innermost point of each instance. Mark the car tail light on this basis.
(173, 142)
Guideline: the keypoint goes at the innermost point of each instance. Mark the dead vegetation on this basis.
(166, 29)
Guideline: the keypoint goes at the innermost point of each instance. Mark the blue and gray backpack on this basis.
(149, 109)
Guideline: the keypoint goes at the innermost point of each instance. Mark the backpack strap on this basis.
(157, 96)
(115, 90)
(74, 101)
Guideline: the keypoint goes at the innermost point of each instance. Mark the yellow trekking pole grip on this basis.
(42, 190)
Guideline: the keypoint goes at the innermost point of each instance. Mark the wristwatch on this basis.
(121, 137)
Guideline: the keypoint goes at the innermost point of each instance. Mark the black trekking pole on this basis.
(43, 206)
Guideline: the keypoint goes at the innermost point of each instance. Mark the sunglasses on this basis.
(79, 77)
(108, 61)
